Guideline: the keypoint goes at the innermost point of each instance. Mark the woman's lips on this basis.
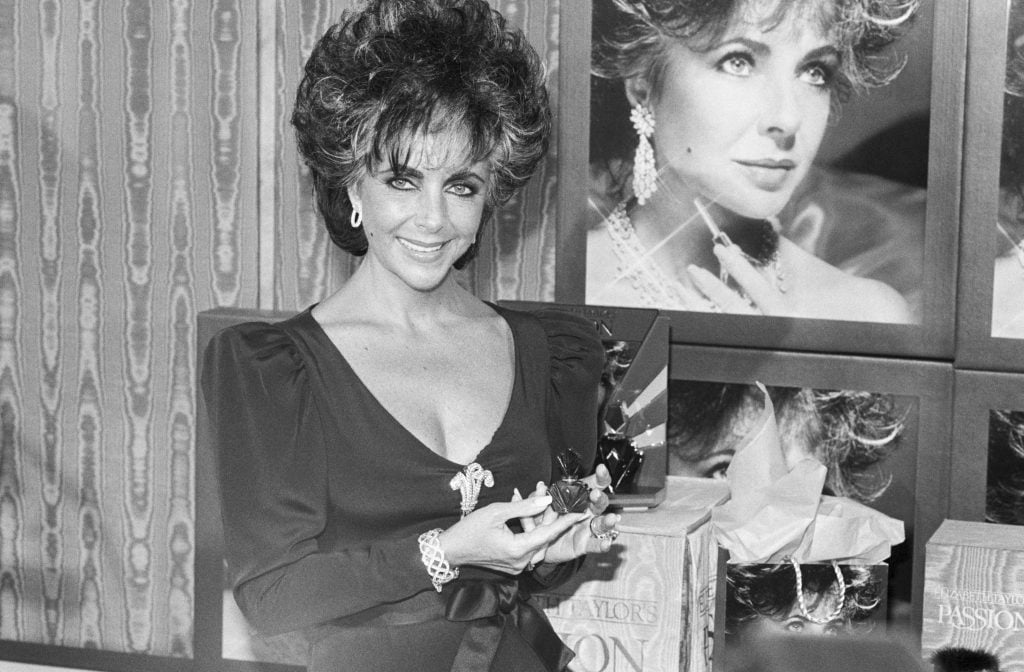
(768, 174)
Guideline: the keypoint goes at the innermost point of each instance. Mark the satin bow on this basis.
(489, 606)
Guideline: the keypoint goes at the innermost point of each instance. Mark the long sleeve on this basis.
(272, 469)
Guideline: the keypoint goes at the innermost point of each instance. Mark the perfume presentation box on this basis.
(634, 406)
(648, 604)
(974, 591)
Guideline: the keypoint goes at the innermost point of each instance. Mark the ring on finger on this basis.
(610, 535)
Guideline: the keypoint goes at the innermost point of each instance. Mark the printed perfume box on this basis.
(634, 398)
(648, 604)
(974, 593)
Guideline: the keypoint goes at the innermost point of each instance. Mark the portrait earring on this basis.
(645, 174)
(356, 218)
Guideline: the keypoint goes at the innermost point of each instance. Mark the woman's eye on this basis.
(717, 471)
(795, 626)
(740, 65)
(818, 75)
(401, 183)
(462, 190)
(831, 631)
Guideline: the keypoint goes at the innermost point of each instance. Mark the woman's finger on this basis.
(602, 533)
(600, 479)
(527, 522)
(529, 507)
(753, 282)
(718, 293)
(544, 535)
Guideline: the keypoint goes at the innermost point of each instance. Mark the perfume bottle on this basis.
(569, 494)
(619, 454)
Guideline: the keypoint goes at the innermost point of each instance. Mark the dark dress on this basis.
(324, 496)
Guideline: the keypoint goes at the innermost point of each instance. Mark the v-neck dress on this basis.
(324, 495)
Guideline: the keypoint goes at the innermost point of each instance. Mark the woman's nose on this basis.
(432, 211)
(781, 114)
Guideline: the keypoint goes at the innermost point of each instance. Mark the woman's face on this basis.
(421, 218)
(795, 623)
(741, 122)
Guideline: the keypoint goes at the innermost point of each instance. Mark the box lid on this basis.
(687, 505)
(978, 534)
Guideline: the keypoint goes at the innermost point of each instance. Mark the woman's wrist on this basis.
(433, 557)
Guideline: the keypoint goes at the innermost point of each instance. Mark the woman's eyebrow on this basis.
(755, 46)
(465, 175)
(822, 52)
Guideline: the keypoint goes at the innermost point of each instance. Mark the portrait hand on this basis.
(483, 539)
(763, 297)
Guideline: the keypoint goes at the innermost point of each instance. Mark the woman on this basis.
(730, 101)
(374, 447)
(848, 431)
(813, 599)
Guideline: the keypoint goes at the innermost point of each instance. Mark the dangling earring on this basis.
(645, 174)
(356, 218)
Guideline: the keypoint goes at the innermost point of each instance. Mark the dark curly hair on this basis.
(1004, 499)
(1011, 174)
(631, 39)
(400, 69)
(851, 432)
(756, 591)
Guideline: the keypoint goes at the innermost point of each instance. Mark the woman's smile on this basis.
(421, 248)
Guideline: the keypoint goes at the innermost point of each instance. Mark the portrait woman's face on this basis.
(796, 623)
(740, 121)
(420, 218)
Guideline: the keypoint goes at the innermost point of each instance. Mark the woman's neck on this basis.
(374, 294)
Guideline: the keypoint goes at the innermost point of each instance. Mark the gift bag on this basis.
(793, 561)
(648, 604)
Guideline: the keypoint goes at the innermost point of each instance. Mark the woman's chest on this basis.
(382, 478)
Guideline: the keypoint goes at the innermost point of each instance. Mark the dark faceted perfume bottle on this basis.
(569, 494)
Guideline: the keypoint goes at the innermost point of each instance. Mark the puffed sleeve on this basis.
(577, 359)
(271, 456)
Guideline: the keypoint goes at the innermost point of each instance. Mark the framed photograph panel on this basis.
(990, 319)
(861, 257)
(224, 642)
(881, 426)
(988, 453)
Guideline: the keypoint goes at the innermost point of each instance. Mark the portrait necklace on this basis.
(656, 288)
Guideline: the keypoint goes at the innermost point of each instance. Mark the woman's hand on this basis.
(763, 296)
(483, 539)
(582, 537)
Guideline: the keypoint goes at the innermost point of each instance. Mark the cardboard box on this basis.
(974, 591)
(649, 603)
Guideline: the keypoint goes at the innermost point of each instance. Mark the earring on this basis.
(645, 174)
(356, 218)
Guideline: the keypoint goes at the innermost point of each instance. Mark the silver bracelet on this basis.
(432, 555)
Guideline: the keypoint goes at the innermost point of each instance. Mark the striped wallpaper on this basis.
(147, 173)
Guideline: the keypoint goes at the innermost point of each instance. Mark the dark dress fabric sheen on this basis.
(325, 494)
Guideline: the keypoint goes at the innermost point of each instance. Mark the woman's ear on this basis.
(353, 196)
(638, 91)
